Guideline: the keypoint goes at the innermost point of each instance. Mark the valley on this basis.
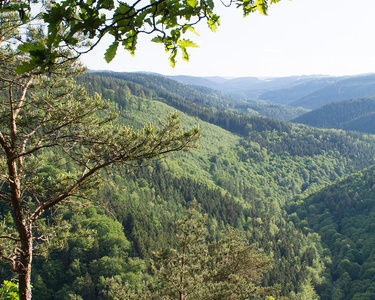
(261, 175)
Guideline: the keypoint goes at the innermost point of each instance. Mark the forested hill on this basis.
(298, 90)
(352, 87)
(310, 92)
(199, 99)
(344, 216)
(262, 141)
(353, 114)
(246, 169)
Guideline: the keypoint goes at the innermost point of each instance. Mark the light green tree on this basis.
(228, 268)
(8, 291)
(180, 273)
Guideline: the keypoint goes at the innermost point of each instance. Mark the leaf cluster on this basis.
(166, 21)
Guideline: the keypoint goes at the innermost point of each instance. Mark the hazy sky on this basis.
(334, 37)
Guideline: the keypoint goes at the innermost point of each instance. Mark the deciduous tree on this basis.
(198, 269)
(166, 21)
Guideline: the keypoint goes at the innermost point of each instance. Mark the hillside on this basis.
(344, 215)
(309, 92)
(270, 110)
(354, 114)
(297, 91)
(246, 169)
(257, 170)
(352, 87)
(260, 141)
(190, 97)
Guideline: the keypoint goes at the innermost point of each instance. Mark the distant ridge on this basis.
(353, 114)
(348, 88)
(245, 87)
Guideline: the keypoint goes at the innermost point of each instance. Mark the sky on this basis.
(298, 37)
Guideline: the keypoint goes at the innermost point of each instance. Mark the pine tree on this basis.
(54, 141)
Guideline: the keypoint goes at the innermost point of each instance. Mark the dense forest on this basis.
(353, 114)
(343, 215)
(143, 186)
(264, 182)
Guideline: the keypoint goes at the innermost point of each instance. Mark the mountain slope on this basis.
(306, 91)
(243, 173)
(262, 147)
(353, 114)
(352, 87)
(297, 91)
(344, 215)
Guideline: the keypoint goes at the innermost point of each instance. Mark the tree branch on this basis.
(9, 237)
(22, 97)
(4, 144)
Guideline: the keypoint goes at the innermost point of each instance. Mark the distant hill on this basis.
(344, 216)
(210, 82)
(271, 110)
(294, 93)
(354, 114)
(244, 87)
(310, 92)
(353, 87)
(186, 92)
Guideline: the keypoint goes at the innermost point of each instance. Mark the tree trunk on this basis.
(24, 228)
(24, 268)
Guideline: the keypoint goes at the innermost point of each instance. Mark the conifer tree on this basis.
(228, 268)
(54, 141)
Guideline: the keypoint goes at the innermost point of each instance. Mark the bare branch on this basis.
(11, 260)
(4, 144)
(9, 237)
(22, 97)
(5, 198)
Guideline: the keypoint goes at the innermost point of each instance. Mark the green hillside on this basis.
(354, 114)
(258, 144)
(198, 99)
(246, 169)
(344, 215)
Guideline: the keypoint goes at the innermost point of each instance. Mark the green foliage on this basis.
(226, 268)
(42, 113)
(242, 179)
(9, 290)
(87, 263)
(68, 21)
(238, 181)
(343, 214)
